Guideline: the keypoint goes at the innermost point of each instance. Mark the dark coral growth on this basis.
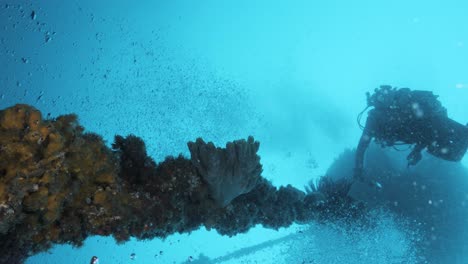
(59, 184)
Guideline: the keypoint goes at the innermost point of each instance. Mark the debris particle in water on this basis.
(132, 256)
(24, 60)
(48, 37)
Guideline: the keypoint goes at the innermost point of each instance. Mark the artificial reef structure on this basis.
(60, 184)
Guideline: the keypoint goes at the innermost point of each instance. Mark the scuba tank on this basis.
(450, 139)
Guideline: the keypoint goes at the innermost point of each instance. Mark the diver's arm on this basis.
(360, 151)
(364, 142)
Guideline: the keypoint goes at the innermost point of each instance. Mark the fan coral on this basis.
(229, 172)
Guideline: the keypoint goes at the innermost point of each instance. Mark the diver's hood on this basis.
(451, 139)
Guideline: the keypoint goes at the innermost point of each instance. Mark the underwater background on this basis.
(293, 74)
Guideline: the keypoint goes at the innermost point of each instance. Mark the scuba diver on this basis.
(403, 116)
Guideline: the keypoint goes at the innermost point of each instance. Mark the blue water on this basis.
(291, 73)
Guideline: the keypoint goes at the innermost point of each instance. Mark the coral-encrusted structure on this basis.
(59, 184)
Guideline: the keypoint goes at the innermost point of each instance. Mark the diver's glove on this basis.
(414, 157)
(359, 176)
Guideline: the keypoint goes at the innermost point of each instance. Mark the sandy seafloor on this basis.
(291, 73)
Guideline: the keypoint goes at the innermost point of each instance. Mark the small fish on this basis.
(94, 260)
(378, 185)
(132, 256)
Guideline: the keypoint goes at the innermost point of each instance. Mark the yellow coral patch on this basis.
(14, 117)
(105, 178)
(34, 119)
(44, 130)
(100, 198)
(2, 191)
(36, 201)
(55, 144)
(34, 137)
(47, 177)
